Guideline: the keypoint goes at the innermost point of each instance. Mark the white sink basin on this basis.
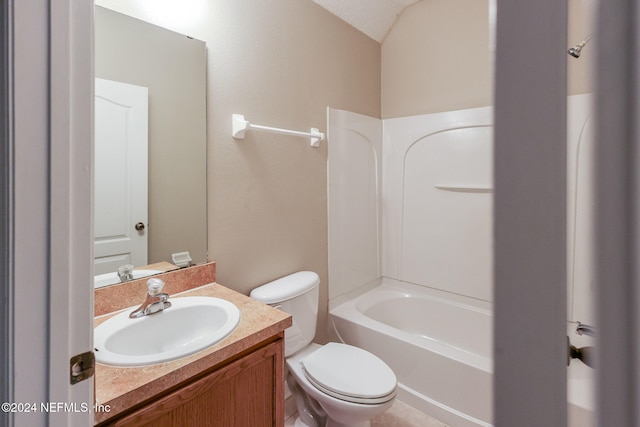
(189, 325)
(111, 278)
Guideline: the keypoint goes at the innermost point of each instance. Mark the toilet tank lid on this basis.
(286, 287)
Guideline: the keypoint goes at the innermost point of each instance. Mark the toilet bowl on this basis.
(335, 384)
(350, 385)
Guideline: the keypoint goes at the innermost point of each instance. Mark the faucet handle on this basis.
(125, 272)
(155, 285)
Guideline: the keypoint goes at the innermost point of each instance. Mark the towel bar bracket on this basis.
(239, 126)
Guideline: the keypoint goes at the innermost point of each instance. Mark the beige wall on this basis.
(580, 26)
(131, 51)
(437, 57)
(280, 63)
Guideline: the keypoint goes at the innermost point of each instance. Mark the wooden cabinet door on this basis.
(246, 393)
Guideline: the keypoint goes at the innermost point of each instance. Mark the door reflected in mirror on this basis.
(150, 126)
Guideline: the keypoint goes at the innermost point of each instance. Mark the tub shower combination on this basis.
(410, 255)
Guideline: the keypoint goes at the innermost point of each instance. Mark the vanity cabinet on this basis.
(247, 390)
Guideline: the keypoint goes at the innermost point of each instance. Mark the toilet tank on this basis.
(296, 294)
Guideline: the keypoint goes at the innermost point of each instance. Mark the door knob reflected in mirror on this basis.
(139, 226)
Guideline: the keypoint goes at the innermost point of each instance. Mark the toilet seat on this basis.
(350, 373)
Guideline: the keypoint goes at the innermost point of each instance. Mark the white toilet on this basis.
(333, 384)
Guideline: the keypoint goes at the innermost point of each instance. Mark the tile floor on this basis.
(399, 415)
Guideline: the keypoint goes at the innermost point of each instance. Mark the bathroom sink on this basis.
(111, 278)
(189, 325)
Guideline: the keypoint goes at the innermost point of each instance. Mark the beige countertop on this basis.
(121, 388)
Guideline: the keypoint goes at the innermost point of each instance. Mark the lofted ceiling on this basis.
(372, 17)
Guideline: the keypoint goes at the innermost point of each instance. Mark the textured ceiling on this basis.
(372, 17)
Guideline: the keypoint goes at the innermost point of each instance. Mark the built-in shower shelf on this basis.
(460, 188)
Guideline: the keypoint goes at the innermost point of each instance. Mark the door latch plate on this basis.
(81, 367)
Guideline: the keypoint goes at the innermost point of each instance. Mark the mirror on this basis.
(171, 67)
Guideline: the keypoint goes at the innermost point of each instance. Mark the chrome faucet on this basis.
(584, 329)
(155, 301)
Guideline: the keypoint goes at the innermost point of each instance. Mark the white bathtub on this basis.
(440, 347)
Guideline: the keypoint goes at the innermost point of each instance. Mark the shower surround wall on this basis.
(410, 235)
(420, 213)
(437, 198)
(410, 222)
(410, 198)
(354, 207)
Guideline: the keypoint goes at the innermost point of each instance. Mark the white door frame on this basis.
(51, 257)
(6, 217)
(530, 214)
(71, 243)
(617, 211)
(30, 228)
